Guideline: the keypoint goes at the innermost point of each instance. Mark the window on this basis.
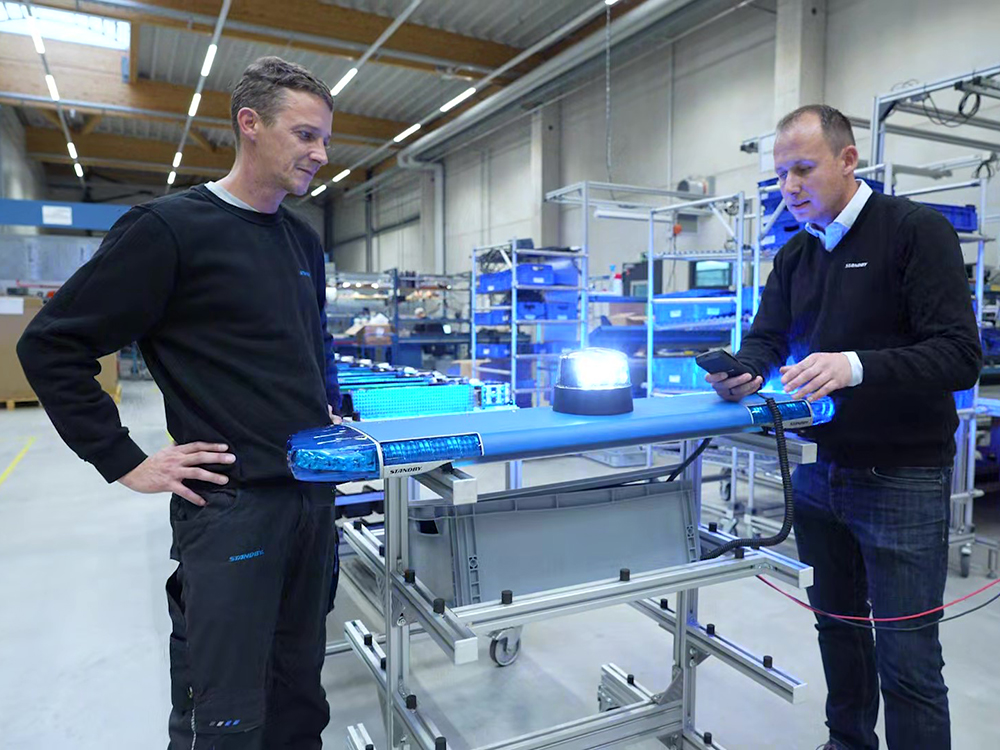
(65, 26)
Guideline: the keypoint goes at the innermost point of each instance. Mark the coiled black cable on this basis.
(786, 486)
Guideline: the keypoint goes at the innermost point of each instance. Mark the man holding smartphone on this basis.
(872, 304)
(224, 289)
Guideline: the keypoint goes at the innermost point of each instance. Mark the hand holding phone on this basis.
(731, 379)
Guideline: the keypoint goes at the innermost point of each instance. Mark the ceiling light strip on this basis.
(206, 68)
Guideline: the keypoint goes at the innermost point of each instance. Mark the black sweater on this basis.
(895, 291)
(228, 308)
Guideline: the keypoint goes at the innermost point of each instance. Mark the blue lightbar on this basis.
(426, 450)
(337, 453)
(794, 414)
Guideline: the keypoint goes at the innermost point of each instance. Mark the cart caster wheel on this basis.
(965, 561)
(725, 491)
(505, 647)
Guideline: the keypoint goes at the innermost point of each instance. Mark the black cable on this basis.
(690, 459)
(915, 627)
(786, 486)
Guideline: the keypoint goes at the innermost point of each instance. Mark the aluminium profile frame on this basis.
(406, 604)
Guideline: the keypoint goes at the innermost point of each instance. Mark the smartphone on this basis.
(719, 360)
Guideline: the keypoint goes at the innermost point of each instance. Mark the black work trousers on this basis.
(248, 603)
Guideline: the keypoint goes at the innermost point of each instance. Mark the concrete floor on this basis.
(83, 629)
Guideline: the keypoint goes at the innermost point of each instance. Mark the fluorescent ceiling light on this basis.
(195, 101)
(171, 177)
(209, 59)
(343, 81)
(459, 99)
(53, 91)
(35, 36)
(610, 2)
(341, 175)
(72, 150)
(318, 190)
(177, 160)
(78, 169)
(407, 133)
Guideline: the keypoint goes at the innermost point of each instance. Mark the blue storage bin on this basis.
(560, 311)
(963, 218)
(492, 350)
(534, 274)
(557, 347)
(530, 310)
(678, 373)
(494, 282)
(492, 317)
(565, 273)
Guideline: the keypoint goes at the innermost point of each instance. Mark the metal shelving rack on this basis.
(507, 256)
(453, 295)
(986, 83)
(735, 227)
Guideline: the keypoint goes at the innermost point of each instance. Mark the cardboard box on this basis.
(15, 314)
(374, 334)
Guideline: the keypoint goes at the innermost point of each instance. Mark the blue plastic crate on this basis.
(678, 373)
(783, 230)
(492, 350)
(493, 317)
(560, 310)
(534, 274)
(963, 218)
(530, 310)
(565, 273)
(494, 282)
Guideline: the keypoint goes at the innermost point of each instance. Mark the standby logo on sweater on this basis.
(855, 265)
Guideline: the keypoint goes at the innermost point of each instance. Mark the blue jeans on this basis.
(877, 539)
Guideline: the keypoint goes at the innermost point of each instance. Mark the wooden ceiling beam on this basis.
(139, 154)
(94, 76)
(267, 21)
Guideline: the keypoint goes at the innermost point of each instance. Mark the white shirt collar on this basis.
(223, 194)
(835, 231)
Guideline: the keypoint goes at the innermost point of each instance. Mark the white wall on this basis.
(682, 111)
(20, 177)
(487, 196)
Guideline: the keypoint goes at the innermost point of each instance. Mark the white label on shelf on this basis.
(675, 313)
(11, 306)
(674, 378)
(538, 280)
(713, 311)
(59, 215)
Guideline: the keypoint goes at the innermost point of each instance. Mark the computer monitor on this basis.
(710, 274)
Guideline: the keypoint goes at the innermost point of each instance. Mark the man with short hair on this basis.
(224, 290)
(872, 303)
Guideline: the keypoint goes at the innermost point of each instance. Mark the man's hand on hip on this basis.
(334, 418)
(165, 471)
(817, 375)
(736, 388)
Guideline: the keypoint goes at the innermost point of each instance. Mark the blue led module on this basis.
(795, 414)
(337, 453)
(426, 450)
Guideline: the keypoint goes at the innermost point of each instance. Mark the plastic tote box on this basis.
(963, 218)
(532, 274)
(492, 351)
(560, 310)
(530, 310)
(494, 282)
(678, 373)
(530, 540)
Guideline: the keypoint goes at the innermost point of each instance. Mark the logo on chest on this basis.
(855, 265)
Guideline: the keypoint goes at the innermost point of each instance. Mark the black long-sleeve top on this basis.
(227, 306)
(895, 291)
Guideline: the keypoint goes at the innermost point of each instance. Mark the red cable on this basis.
(877, 619)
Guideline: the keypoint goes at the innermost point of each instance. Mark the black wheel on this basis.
(965, 564)
(504, 649)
